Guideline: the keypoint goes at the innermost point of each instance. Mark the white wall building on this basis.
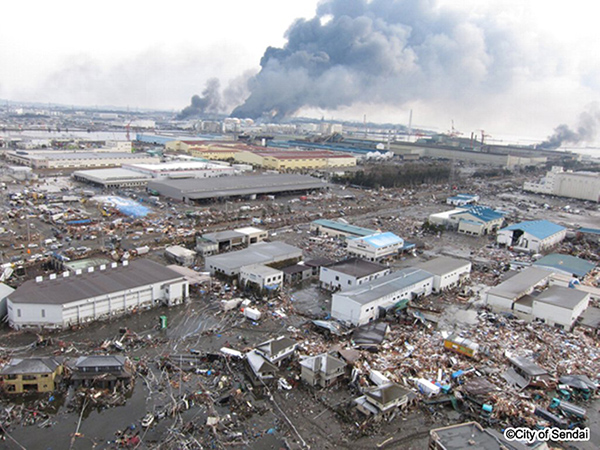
(364, 303)
(350, 273)
(447, 272)
(180, 255)
(472, 220)
(262, 276)
(559, 306)
(376, 246)
(580, 185)
(100, 292)
(182, 169)
(504, 296)
(253, 235)
(71, 160)
(533, 236)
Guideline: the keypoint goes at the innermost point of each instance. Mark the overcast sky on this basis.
(523, 66)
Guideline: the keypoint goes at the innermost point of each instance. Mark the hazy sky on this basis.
(522, 67)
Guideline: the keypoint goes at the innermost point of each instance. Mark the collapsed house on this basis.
(383, 400)
(322, 370)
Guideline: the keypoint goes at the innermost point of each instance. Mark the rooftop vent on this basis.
(125, 263)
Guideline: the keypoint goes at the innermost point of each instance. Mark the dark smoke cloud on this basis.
(210, 102)
(586, 130)
(383, 52)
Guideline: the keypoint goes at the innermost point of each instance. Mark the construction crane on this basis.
(454, 132)
(483, 136)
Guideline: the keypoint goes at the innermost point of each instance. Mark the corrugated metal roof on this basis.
(345, 227)
(204, 188)
(356, 267)
(520, 284)
(74, 288)
(386, 285)
(566, 263)
(443, 265)
(483, 213)
(259, 253)
(380, 240)
(541, 229)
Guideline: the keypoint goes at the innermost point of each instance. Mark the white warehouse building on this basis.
(365, 303)
(100, 292)
(447, 272)
(350, 273)
(580, 185)
(375, 247)
(533, 236)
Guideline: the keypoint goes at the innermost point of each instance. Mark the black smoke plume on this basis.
(586, 130)
(382, 52)
(209, 103)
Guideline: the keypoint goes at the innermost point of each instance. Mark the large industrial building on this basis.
(532, 236)
(182, 169)
(580, 185)
(473, 220)
(76, 159)
(191, 190)
(265, 253)
(367, 302)
(112, 178)
(295, 160)
(60, 301)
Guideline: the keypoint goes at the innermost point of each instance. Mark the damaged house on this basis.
(265, 359)
(322, 370)
(383, 400)
(102, 371)
(23, 375)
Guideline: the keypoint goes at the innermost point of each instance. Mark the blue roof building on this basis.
(532, 236)
(567, 264)
(375, 247)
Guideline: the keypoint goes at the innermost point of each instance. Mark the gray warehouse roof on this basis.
(520, 284)
(198, 188)
(73, 288)
(116, 174)
(386, 285)
(443, 265)
(561, 296)
(357, 267)
(260, 253)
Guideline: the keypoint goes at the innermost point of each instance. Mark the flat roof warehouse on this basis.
(238, 186)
